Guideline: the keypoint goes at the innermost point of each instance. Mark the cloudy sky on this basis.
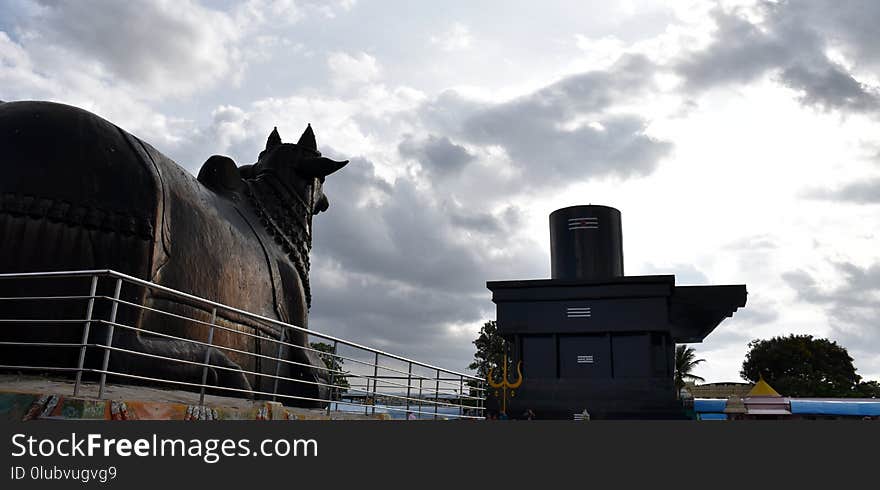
(740, 140)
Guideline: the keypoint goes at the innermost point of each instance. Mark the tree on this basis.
(327, 355)
(868, 389)
(685, 362)
(490, 350)
(490, 355)
(800, 365)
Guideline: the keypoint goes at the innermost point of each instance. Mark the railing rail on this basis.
(358, 378)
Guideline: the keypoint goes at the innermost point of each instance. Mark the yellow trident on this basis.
(505, 384)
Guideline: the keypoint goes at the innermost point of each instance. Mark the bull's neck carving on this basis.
(286, 217)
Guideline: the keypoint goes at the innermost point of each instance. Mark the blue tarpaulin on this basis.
(713, 416)
(835, 407)
(702, 405)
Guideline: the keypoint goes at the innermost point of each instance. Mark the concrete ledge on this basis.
(34, 397)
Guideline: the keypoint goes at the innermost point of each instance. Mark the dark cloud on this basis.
(861, 192)
(859, 286)
(849, 26)
(619, 146)
(437, 155)
(490, 154)
(477, 221)
(536, 133)
(852, 307)
(740, 52)
(173, 47)
(395, 317)
(830, 87)
(793, 41)
(406, 237)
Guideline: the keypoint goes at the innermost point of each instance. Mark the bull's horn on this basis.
(307, 140)
(274, 140)
(320, 166)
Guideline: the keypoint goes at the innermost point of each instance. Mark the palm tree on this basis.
(685, 362)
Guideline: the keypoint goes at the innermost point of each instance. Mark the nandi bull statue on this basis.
(79, 193)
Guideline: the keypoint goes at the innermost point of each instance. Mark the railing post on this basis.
(483, 397)
(278, 362)
(460, 395)
(207, 357)
(420, 396)
(375, 379)
(85, 336)
(437, 394)
(109, 342)
(333, 379)
(408, 388)
(366, 394)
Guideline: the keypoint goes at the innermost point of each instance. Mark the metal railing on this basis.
(356, 378)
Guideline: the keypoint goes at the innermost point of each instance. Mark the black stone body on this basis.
(79, 193)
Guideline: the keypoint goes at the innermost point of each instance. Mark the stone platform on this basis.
(37, 397)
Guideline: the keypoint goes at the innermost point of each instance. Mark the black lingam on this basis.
(593, 339)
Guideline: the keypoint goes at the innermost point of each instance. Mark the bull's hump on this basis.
(220, 174)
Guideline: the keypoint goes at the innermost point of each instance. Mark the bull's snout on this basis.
(322, 205)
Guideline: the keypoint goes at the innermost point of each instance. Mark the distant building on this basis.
(718, 390)
(763, 402)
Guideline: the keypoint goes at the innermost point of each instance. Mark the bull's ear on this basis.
(307, 140)
(274, 140)
(319, 166)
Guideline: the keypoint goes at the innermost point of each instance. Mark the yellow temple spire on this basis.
(762, 388)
